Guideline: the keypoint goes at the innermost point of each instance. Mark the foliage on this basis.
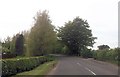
(102, 47)
(107, 55)
(14, 66)
(8, 48)
(19, 44)
(42, 37)
(6, 45)
(88, 53)
(65, 50)
(60, 48)
(76, 35)
(40, 70)
(101, 55)
(25, 34)
(13, 46)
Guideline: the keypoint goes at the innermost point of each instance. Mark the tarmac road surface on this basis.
(79, 66)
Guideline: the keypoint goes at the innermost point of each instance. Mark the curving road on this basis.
(79, 66)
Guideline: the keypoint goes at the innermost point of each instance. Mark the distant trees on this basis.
(111, 55)
(25, 34)
(42, 37)
(6, 45)
(76, 35)
(19, 44)
(40, 40)
(73, 38)
(14, 46)
(102, 47)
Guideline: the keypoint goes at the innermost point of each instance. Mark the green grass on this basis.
(40, 70)
(113, 62)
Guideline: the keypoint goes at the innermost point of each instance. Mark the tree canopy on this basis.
(42, 36)
(19, 44)
(76, 35)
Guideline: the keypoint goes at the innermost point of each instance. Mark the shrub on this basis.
(107, 55)
(88, 53)
(101, 55)
(14, 66)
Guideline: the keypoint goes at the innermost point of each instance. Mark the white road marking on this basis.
(90, 71)
(87, 69)
(79, 64)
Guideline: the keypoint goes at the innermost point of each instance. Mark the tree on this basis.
(76, 35)
(103, 47)
(59, 48)
(42, 36)
(25, 34)
(6, 45)
(12, 45)
(19, 44)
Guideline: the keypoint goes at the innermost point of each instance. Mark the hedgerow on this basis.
(111, 55)
(14, 66)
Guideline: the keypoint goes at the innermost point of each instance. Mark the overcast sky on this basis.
(102, 16)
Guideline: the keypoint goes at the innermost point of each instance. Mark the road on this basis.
(80, 66)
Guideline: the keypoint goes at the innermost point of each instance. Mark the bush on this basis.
(14, 66)
(94, 54)
(107, 55)
(88, 53)
(101, 55)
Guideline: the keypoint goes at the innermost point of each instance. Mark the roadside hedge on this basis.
(14, 66)
(107, 55)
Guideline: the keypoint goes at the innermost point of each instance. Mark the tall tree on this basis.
(76, 35)
(42, 36)
(19, 44)
(12, 45)
(25, 34)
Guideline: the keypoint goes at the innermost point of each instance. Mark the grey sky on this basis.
(102, 16)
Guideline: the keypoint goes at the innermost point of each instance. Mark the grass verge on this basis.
(117, 63)
(114, 62)
(40, 70)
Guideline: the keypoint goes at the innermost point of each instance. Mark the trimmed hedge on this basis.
(14, 66)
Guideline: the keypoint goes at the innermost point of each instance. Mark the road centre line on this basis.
(87, 69)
